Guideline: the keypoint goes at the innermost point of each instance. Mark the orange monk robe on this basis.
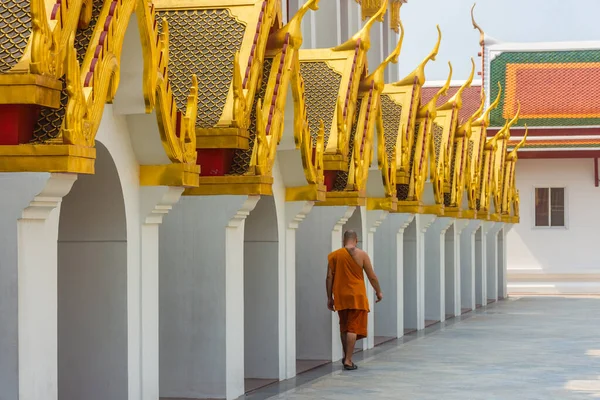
(349, 291)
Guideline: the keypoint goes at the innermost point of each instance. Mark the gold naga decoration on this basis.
(354, 52)
(442, 144)
(395, 23)
(510, 194)
(499, 161)
(401, 102)
(51, 52)
(423, 146)
(489, 181)
(373, 85)
(477, 142)
(91, 89)
(179, 144)
(312, 161)
(269, 118)
(460, 160)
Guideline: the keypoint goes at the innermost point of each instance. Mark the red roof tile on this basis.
(471, 99)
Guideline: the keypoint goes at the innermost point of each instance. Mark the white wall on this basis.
(555, 253)
(480, 282)
(385, 262)
(506, 20)
(195, 262)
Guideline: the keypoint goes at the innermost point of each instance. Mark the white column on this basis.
(202, 297)
(376, 53)
(156, 202)
(404, 221)
(504, 265)
(491, 259)
(296, 212)
(325, 25)
(459, 226)
(374, 220)
(468, 264)
(423, 222)
(28, 283)
(435, 268)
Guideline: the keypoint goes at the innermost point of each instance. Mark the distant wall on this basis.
(556, 259)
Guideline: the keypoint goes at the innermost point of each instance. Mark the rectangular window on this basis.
(550, 207)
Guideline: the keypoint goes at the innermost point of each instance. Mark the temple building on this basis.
(175, 173)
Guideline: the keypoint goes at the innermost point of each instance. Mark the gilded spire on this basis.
(293, 27)
(484, 120)
(363, 37)
(419, 73)
(513, 154)
(465, 127)
(378, 75)
(476, 26)
(456, 100)
(430, 107)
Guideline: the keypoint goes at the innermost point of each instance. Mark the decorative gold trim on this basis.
(221, 138)
(232, 185)
(47, 158)
(383, 203)
(347, 198)
(30, 89)
(311, 192)
(178, 174)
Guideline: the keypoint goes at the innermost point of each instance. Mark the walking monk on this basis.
(347, 294)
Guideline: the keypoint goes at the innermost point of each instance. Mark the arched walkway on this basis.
(261, 294)
(92, 287)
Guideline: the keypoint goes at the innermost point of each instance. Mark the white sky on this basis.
(505, 20)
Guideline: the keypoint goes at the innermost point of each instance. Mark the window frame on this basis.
(565, 208)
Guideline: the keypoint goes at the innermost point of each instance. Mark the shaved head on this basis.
(350, 236)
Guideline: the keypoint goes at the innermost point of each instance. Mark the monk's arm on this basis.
(371, 275)
(329, 282)
(329, 286)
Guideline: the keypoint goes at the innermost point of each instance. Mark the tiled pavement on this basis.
(518, 349)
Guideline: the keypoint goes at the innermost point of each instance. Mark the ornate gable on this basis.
(400, 103)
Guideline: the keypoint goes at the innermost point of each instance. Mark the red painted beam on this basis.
(559, 154)
(518, 131)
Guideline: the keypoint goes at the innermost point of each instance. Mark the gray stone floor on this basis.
(521, 348)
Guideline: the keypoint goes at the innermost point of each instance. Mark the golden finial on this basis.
(456, 100)
(293, 27)
(378, 75)
(484, 120)
(419, 72)
(513, 154)
(430, 107)
(476, 26)
(363, 37)
(465, 127)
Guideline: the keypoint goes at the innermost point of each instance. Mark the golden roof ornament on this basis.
(484, 120)
(363, 37)
(430, 107)
(370, 8)
(456, 99)
(419, 73)
(395, 15)
(476, 26)
(378, 74)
